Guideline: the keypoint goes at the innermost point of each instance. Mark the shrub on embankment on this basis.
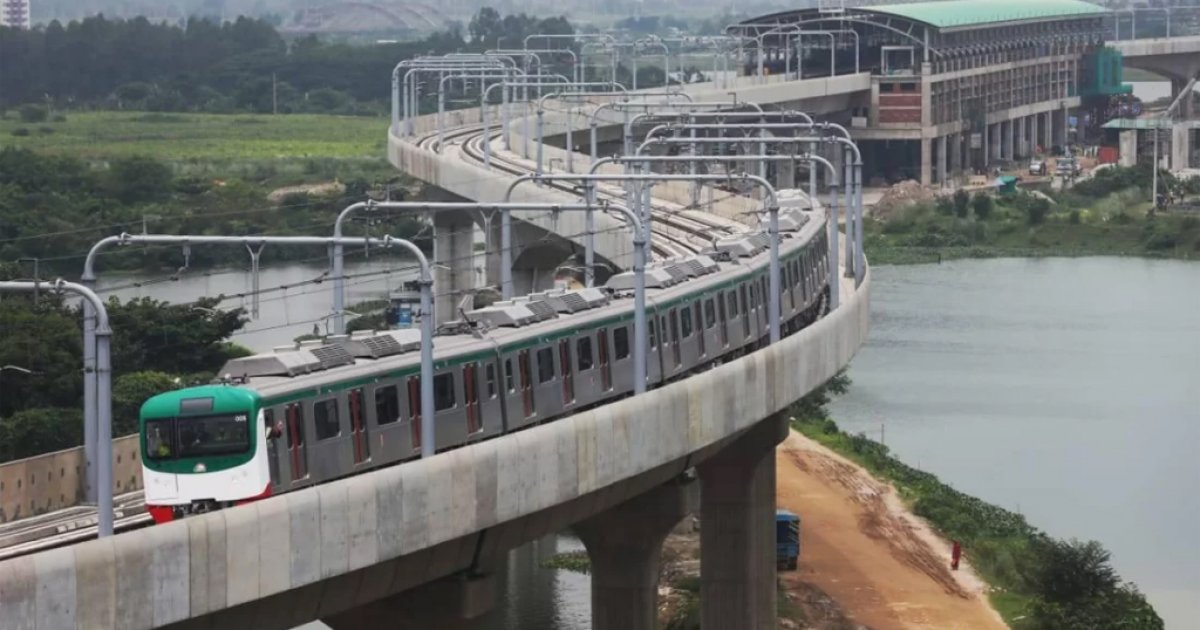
(1038, 582)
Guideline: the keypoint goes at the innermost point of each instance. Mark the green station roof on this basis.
(966, 13)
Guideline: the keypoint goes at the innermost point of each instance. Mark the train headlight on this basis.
(199, 468)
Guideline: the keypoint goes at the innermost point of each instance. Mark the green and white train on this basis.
(343, 405)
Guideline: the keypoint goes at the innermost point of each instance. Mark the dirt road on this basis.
(885, 568)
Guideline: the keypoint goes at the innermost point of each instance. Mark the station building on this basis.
(956, 85)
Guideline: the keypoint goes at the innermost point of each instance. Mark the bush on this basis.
(982, 204)
(33, 113)
(945, 205)
(45, 131)
(1037, 210)
(1073, 218)
(20, 132)
(962, 200)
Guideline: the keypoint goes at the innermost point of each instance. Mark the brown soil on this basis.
(884, 567)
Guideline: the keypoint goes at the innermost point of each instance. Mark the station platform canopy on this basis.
(945, 15)
(1156, 122)
(949, 14)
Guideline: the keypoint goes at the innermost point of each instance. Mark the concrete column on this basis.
(996, 143)
(1022, 137)
(453, 603)
(1185, 108)
(1181, 146)
(941, 161)
(926, 161)
(1047, 130)
(1006, 141)
(453, 247)
(624, 544)
(1128, 146)
(985, 146)
(737, 530)
(1034, 138)
(1061, 137)
(956, 154)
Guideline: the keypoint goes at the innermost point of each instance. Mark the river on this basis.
(1065, 389)
(284, 313)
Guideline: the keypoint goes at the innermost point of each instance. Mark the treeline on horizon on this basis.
(243, 65)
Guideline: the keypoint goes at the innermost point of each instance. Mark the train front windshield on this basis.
(197, 436)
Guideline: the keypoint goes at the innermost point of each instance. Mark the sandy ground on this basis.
(883, 566)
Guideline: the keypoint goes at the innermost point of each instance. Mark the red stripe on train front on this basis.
(161, 513)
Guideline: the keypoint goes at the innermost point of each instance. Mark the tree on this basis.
(1073, 570)
(33, 114)
(962, 200)
(152, 335)
(36, 431)
(130, 391)
(982, 204)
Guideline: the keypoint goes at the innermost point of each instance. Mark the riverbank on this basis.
(1033, 581)
(1105, 215)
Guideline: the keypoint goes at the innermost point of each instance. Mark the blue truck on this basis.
(787, 540)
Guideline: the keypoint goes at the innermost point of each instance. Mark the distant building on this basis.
(15, 13)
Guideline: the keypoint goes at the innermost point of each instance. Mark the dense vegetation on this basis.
(155, 347)
(240, 66)
(1106, 214)
(1039, 582)
(55, 207)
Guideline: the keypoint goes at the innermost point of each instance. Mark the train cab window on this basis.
(325, 416)
(489, 375)
(621, 341)
(387, 405)
(510, 382)
(443, 392)
(545, 365)
(685, 321)
(710, 314)
(583, 353)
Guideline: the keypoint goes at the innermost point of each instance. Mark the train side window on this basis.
(583, 353)
(724, 329)
(443, 392)
(745, 302)
(621, 341)
(652, 335)
(710, 314)
(545, 365)
(685, 321)
(489, 375)
(387, 405)
(510, 382)
(325, 416)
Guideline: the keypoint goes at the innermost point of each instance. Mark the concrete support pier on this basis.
(453, 247)
(737, 530)
(624, 544)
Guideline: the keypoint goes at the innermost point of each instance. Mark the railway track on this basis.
(677, 230)
(68, 526)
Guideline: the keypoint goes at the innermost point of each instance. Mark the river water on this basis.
(1065, 389)
(291, 303)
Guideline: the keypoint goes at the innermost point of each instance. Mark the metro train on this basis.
(325, 409)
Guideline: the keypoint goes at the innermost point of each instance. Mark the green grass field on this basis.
(201, 137)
